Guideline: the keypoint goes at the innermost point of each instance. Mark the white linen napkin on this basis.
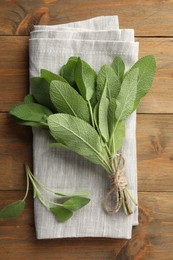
(107, 35)
(63, 170)
(96, 23)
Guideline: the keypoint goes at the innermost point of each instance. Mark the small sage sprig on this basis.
(62, 211)
(85, 112)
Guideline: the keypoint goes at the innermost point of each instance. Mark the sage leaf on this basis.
(76, 203)
(40, 89)
(78, 136)
(68, 100)
(147, 69)
(30, 112)
(68, 71)
(126, 98)
(103, 114)
(113, 83)
(85, 78)
(95, 115)
(29, 99)
(111, 114)
(119, 135)
(13, 210)
(50, 76)
(112, 122)
(77, 194)
(93, 100)
(58, 145)
(30, 123)
(62, 214)
(119, 67)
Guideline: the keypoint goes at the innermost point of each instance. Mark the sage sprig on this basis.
(61, 210)
(85, 112)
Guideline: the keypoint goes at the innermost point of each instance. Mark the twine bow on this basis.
(118, 184)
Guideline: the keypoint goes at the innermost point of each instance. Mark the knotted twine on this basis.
(118, 184)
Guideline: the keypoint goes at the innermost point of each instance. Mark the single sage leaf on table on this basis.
(85, 78)
(76, 203)
(30, 112)
(40, 89)
(113, 83)
(127, 96)
(68, 100)
(78, 136)
(119, 67)
(13, 210)
(103, 113)
(62, 214)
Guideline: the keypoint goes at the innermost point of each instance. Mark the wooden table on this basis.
(153, 24)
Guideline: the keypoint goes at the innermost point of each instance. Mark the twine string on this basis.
(118, 183)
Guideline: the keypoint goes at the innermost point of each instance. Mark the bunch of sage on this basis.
(85, 112)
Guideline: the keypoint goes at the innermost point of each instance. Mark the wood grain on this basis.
(153, 238)
(18, 236)
(14, 73)
(154, 147)
(148, 18)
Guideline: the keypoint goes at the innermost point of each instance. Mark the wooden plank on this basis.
(152, 239)
(154, 146)
(14, 73)
(148, 18)
(159, 99)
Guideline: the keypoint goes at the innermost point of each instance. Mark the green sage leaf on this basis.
(30, 112)
(111, 114)
(119, 67)
(147, 69)
(126, 98)
(95, 115)
(113, 83)
(40, 89)
(29, 99)
(119, 135)
(13, 210)
(103, 114)
(68, 71)
(68, 100)
(76, 203)
(77, 194)
(62, 214)
(50, 76)
(58, 145)
(78, 136)
(85, 78)
(30, 123)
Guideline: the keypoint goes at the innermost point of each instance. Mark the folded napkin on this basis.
(96, 23)
(107, 35)
(49, 48)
